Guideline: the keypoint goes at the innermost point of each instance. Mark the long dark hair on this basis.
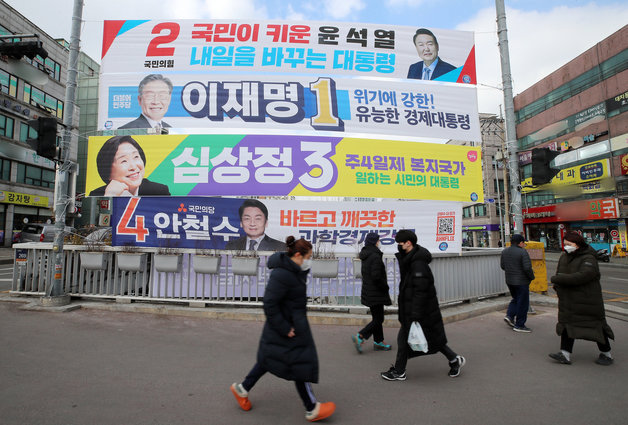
(107, 153)
(297, 245)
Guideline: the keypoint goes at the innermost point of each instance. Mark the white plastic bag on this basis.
(416, 338)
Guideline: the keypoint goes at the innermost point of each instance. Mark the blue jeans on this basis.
(518, 307)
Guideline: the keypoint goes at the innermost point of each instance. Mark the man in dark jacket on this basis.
(374, 294)
(515, 261)
(418, 303)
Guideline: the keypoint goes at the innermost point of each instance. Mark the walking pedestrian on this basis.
(374, 294)
(418, 303)
(286, 348)
(515, 261)
(580, 305)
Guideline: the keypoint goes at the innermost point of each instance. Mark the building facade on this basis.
(29, 89)
(580, 110)
(483, 224)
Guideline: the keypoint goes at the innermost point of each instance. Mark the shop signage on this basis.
(573, 175)
(104, 204)
(623, 233)
(483, 227)
(619, 142)
(590, 209)
(23, 199)
(617, 102)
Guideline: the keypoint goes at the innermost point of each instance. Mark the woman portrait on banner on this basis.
(581, 312)
(121, 163)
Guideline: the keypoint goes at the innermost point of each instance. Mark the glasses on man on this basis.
(153, 95)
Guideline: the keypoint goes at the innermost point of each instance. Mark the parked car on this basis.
(40, 232)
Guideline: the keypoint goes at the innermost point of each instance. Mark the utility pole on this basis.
(55, 294)
(509, 106)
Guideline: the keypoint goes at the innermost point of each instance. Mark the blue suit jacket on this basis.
(416, 70)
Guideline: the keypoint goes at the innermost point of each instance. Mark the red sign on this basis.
(104, 204)
(590, 209)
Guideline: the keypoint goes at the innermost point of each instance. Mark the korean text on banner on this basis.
(321, 48)
(341, 105)
(215, 223)
(272, 165)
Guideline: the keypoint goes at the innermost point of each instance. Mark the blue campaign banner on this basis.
(191, 222)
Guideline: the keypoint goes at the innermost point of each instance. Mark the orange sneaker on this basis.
(321, 411)
(241, 395)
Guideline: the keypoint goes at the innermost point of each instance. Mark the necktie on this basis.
(252, 245)
(426, 73)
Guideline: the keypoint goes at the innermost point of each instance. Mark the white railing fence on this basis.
(468, 276)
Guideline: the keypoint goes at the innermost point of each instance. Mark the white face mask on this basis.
(378, 245)
(306, 264)
(570, 248)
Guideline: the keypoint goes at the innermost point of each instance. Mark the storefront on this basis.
(18, 208)
(482, 236)
(596, 219)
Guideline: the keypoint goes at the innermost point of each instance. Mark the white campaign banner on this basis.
(342, 226)
(321, 48)
(341, 105)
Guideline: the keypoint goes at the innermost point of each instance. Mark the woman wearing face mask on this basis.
(580, 304)
(374, 294)
(286, 348)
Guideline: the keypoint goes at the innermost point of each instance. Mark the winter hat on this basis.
(371, 239)
(517, 239)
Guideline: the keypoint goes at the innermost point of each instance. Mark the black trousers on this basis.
(303, 388)
(403, 350)
(566, 343)
(375, 326)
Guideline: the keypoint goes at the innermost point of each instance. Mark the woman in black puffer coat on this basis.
(374, 294)
(286, 348)
(580, 304)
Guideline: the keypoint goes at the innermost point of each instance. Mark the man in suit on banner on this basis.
(154, 94)
(431, 67)
(253, 220)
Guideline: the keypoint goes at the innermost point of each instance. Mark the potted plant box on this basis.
(131, 261)
(91, 260)
(327, 267)
(168, 263)
(209, 264)
(245, 266)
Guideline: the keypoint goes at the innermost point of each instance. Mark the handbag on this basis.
(416, 338)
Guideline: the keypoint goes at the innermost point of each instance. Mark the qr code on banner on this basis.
(445, 226)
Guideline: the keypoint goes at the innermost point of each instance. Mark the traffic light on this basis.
(46, 142)
(541, 171)
(17, 49)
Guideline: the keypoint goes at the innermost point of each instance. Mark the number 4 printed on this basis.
(123, 227)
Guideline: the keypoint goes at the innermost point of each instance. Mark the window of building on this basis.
(501, 185)
(5, 169)
(36, 176)
(6, 126)
(8, 83)
(27, 132)
(43, 100)
(466, 212)
(479, 210)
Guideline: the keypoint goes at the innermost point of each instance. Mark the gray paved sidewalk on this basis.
(96, 366)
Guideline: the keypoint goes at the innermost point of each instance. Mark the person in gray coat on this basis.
(515, 261)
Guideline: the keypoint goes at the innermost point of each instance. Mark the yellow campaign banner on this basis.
(23, 199)
(273, 165)
(579, 174)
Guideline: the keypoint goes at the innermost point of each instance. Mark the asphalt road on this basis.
(98, 367)
(6, 275)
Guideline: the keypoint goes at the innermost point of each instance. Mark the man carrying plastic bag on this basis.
(418, 303)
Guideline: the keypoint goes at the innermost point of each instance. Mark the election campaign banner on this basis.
(320, 48)
(300, 103)
(230, 223)
(278, 165)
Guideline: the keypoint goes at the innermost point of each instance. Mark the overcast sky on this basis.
(543, 34)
